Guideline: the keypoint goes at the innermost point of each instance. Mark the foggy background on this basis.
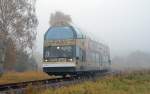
(124, 25)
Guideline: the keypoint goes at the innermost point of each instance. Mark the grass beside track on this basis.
(125, 83)
(13, 77)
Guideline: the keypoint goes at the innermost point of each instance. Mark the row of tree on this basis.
(18, 24)
(136, 60)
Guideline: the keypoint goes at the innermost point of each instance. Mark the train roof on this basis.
(68, 32)
(65, 32)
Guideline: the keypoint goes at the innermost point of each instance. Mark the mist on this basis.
(121, 24)
(124, 25)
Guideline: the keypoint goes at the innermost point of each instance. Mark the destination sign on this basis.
(60, 42)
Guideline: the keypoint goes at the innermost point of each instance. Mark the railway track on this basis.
(46, 83)
(20, 86)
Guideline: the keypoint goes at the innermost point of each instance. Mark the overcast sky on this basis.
(124, 25)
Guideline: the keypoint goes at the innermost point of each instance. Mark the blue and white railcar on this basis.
(68, 51)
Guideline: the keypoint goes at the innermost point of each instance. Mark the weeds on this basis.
(13, 77)
(127, 83)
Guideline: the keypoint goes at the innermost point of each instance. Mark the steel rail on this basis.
(55, 82)
(4, 87)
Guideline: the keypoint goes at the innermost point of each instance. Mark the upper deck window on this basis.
(60, 33)
(56, 33)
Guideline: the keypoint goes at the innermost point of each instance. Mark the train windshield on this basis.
(58, 53)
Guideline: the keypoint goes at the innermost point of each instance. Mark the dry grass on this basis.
(13, 77)
(136, 82)
(127, 83)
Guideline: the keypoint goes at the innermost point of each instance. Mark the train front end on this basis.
(59, 55)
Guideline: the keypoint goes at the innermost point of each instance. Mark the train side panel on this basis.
(67, 51)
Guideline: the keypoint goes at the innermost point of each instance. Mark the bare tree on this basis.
(60, 19)
(17, 23)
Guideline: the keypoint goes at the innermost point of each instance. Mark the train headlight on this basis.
(58, 47)
(70, 60)
(46, 60)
